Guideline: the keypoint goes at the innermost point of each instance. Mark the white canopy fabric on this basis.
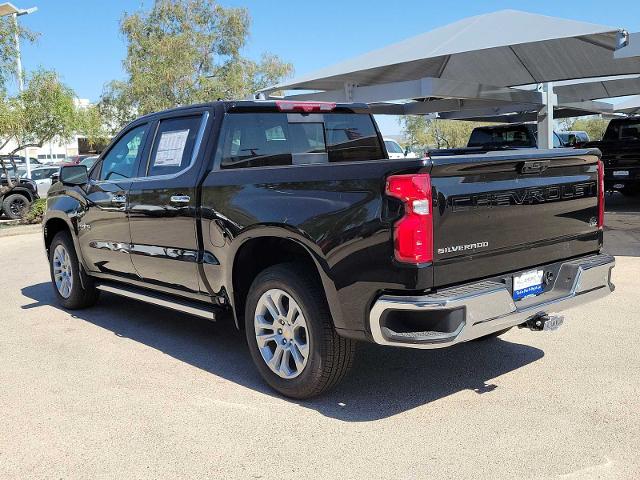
(505, 48)
(631, 106)
(611, 88)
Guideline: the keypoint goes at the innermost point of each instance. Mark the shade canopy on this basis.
(599, 89)
(630, 106)
(505, 48)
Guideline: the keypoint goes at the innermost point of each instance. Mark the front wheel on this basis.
(70, 290)
(290, 334)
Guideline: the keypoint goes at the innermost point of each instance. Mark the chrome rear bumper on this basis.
(481, 308)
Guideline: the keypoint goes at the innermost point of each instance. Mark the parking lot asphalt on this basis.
(128, 390)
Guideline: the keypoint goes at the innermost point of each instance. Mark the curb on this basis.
(20, 230)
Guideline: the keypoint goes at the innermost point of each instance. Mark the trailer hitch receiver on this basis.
(544, 322)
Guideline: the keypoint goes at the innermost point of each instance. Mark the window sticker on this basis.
(171, 148)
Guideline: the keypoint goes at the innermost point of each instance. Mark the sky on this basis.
(81, 39)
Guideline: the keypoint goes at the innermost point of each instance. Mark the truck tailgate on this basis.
(506, 211)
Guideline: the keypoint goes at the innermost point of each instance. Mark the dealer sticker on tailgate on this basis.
(527, 284)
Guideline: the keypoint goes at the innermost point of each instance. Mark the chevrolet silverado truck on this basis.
(290, 219)
(620, 149)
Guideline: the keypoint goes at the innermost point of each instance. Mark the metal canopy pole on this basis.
(545, 115)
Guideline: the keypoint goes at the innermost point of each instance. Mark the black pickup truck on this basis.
(620, 148)
(290, 218)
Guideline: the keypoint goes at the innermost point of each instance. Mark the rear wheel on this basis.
(290, 334)
(15, 206)
(71, 291)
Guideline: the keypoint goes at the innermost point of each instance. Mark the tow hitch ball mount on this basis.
(544, 322)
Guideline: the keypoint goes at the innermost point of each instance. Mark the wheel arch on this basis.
(258, 252)
(18, 190)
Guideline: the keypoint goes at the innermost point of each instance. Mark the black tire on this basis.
(492, 335)
(330, 355)
(15, 206)
(82, 292)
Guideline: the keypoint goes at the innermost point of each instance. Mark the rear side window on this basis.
(173, 145)
(351, 138)
(255, 140)
(271, 139)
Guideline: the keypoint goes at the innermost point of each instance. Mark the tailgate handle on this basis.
(536, 166)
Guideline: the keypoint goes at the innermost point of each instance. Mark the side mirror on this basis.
(74, 175)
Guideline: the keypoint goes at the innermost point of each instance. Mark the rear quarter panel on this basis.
(336, 211)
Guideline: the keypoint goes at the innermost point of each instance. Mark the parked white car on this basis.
(42, 177)
(395, 150)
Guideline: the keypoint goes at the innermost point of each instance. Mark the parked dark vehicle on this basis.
(513, 136)
(288, 217)
(620, 149)
(15, 202)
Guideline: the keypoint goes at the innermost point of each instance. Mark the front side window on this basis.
(121, 161)
(173, 146)
(39, 174)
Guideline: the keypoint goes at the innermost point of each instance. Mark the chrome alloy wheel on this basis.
(281, 333)
(62, 272)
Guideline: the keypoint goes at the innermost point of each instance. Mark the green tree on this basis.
(90, 122)
(43, 112)
(8, 52)
(182, 52)
(415, 128)
(425, 132)
(594, 126)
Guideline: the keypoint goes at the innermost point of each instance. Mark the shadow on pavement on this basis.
(384, 381)
(622, 225)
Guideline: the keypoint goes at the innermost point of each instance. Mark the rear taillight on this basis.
(600, 194)
(306, 107)
(413, 233)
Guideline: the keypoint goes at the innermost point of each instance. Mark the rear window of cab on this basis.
(271, 139)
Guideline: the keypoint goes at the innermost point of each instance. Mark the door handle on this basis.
(180, 199)
(119, 199)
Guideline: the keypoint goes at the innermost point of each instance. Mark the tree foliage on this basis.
(90, 123)
(8, 51)
(183, 52)
(43, 112)
(423, 131)
(594, 126)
